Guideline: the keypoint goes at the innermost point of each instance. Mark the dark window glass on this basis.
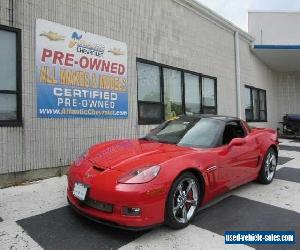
(150, 113)
(203, 134)
(190, 132)
(172, 93)
(262, 105)
(232, 130)
(9, 90)
(192, 94)
(255, 104)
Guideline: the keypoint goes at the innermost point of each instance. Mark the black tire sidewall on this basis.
(262, 174)
(169, 217)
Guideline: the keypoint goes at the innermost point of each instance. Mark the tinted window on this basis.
(190, 132)
(255, 104)
(232, 130)
(203, 134)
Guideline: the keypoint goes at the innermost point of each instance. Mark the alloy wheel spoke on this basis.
(191, 184)
(180, 189)
(184, 214)
(192, 202)
(175, 209)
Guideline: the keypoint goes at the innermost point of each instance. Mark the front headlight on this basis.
(140, 175)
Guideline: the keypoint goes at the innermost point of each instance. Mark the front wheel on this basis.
(183, 201)
(268, 168)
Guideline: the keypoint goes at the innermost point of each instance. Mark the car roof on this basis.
(218, 117)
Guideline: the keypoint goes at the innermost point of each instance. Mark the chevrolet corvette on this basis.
(166, 176)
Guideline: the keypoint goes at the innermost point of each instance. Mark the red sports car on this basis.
(166, 176)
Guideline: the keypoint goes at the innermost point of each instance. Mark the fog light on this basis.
(132, 211)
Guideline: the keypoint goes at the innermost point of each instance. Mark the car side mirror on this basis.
(237, 142)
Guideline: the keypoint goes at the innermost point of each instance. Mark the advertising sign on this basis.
(79, 74)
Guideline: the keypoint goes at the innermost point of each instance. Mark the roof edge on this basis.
(212, 15)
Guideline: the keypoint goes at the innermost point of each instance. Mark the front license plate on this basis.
(80, 191)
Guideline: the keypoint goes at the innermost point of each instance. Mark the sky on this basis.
(236, 11)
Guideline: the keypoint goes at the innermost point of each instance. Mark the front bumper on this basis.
(150, 198)
(109, 223)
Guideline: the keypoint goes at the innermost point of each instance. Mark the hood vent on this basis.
(100, 169)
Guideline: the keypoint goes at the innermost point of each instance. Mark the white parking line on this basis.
(279, 193)
(13, 237)
(23, 201)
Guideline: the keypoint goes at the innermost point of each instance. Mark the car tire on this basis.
(268, 168)
(183, 201)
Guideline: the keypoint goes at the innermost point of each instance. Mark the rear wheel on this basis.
(183, 201)
(268, 168)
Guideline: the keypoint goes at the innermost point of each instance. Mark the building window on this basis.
(165, 92)
(209, 95)
(10, 76)
(172, 93)
(255, 104)
(192, 91)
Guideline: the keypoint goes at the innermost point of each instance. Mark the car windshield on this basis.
(188, 131)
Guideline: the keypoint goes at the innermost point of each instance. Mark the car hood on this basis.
(124, 155)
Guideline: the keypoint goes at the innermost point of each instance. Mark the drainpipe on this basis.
(237, 75)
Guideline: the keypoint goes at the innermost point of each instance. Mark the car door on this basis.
(238, 156)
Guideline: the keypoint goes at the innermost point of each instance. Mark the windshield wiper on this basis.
(168, 142)
(146, 139)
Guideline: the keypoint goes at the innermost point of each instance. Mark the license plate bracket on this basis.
(80, 191)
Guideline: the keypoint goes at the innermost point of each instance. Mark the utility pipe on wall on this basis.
(237, 74)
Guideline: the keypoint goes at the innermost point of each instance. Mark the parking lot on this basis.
(36, 216)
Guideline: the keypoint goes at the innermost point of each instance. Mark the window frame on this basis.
(18, 92)
(182, 71)
(252, 105)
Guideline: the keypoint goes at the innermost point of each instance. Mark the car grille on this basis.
(104, 207)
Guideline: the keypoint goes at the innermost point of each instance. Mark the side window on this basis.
(232, 130)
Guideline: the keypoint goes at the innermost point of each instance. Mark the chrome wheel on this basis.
(185, 200)
(270, 165)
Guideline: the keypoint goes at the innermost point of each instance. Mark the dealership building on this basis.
(74, 73)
